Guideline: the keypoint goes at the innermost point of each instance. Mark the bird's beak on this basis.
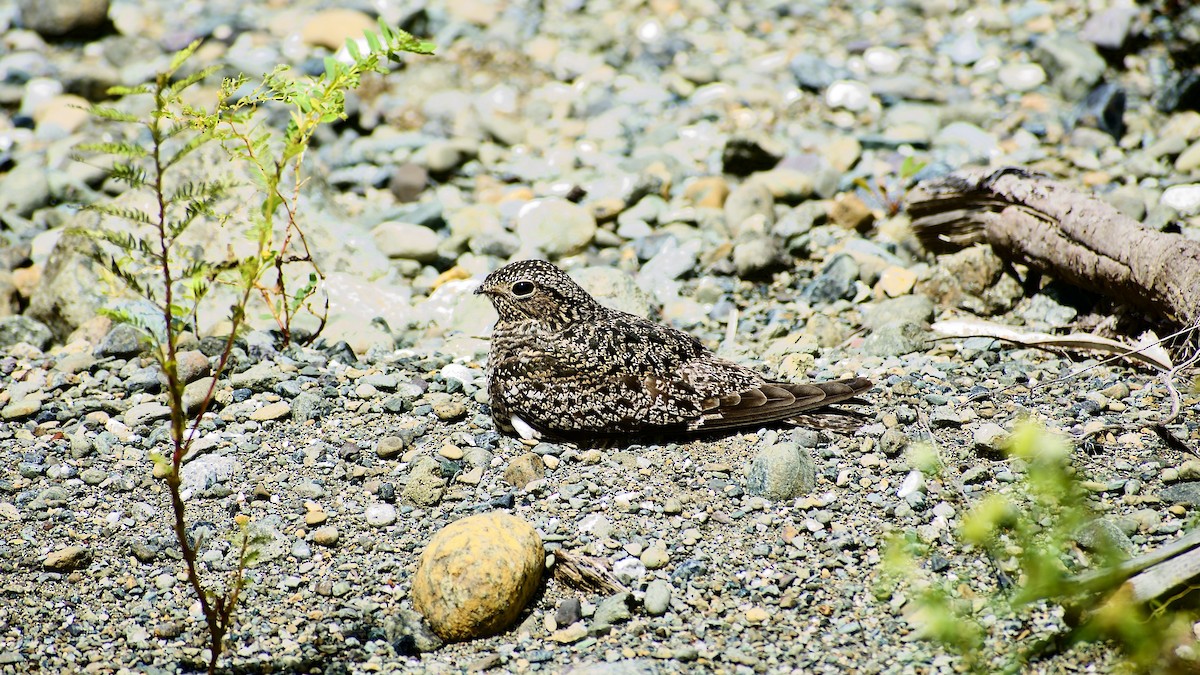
(482, 290)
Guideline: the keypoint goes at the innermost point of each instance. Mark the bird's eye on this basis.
(522, 289)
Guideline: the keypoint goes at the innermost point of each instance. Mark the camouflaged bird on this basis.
(563, 365)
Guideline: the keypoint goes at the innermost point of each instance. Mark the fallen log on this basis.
(1062, 232)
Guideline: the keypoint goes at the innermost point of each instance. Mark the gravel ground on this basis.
(696, 162)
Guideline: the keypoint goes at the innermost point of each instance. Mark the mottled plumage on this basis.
(563, 365)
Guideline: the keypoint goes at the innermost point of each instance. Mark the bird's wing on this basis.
(775, 401)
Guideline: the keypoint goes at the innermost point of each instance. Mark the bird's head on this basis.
(535, 290)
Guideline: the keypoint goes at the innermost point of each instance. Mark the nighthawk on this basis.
(563, 365)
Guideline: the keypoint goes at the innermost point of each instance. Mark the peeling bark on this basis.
(1073, 236)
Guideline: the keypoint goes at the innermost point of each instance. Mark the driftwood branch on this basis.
(1149, 575)
(585, 573)
(1073, 236)
(1155, 578)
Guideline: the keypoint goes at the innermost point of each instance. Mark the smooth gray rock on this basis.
(916, 308)
(56, 18)
(614, 289)
(658, 598)
(746, 201)
(835, 281)
(896, 338)
(122, 341)
(70, 291)
(308, 406)
(20, 328)
(781, 471)
(1074, 64)
(406, 240)
(613, 609)
(555, 227)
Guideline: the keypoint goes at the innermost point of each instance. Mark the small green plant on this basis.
(888, 192)
(1029, 535)
(145, 247)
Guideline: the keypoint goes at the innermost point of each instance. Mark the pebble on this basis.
(612, 609)
(757, 257)
(756, 615)
(315, 515)
(123, 341)
(449, 410)
(1022, 76)
(476, 575)
(897, 281)
(629, 570)
(1184, 199)
(572, 633)
(68, 559)
(569, 611)
(272, 411)
(851, 212)
(525, 469)
(896, 338)
(836, 281)
(750, 200)
(990, 437)
(143, 413)
(380, 515)
(331, 28)
(57, 18)
(425, 485)
(1182, 493)
(326, 535)
(849, 95)
(655, 557)
(781, 471)
(658, 597)
(26, 407)
(390, 447)
(406, 240)
(192, 365)
(555, 227)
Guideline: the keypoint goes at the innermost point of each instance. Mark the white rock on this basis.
(1184, 199)
(913, 482)
(1022, 76)
(849, 95)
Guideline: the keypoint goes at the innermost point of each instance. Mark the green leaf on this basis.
(180, 56)
(332, 67)
(192, 79)
(910, 167)
(119, 90)
(110, 113)
(304, 292)
(384, 29)
(124, 212)
(130, 174)
(373, 41)
(352, 49)
(124, 149)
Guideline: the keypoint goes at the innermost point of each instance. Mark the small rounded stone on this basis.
(380, 515)
(326, 536)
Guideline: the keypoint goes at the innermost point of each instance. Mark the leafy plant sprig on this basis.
(1030, 536)
(153, 262)
(888, 192)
